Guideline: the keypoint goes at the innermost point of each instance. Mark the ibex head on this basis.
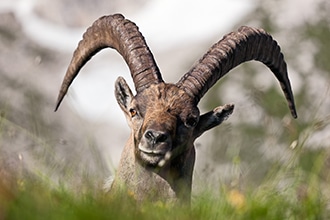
(164, 118)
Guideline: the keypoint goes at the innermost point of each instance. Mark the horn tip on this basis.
(57, 106)
(59, 101)
(294, 114)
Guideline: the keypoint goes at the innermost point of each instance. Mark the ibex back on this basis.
(158, 160)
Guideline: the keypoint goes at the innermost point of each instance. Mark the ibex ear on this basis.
(123, 94)
(213, 118)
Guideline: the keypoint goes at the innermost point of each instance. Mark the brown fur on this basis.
(165, 108)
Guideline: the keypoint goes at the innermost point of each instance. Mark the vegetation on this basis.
(293, 191)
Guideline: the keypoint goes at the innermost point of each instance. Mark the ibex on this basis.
(158, 160)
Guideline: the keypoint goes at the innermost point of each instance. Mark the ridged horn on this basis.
(235, 48)
(116, 32)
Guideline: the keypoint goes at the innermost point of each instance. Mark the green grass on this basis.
(42, 203)
(287, 193)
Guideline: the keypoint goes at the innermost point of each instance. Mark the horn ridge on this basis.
(233, 49)
(118, 33)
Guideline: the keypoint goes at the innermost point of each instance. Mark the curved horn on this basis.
(235, 48)
(116, 32)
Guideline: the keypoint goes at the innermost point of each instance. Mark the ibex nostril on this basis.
(161, 138)
(156, 136)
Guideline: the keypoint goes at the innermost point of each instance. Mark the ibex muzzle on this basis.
(158, 160)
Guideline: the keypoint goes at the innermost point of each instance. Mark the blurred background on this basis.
(82, 142)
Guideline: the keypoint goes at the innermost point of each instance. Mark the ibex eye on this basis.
(191, 122)
(133, 112)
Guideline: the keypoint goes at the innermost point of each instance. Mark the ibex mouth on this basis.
(155, 157)
(152, 152)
